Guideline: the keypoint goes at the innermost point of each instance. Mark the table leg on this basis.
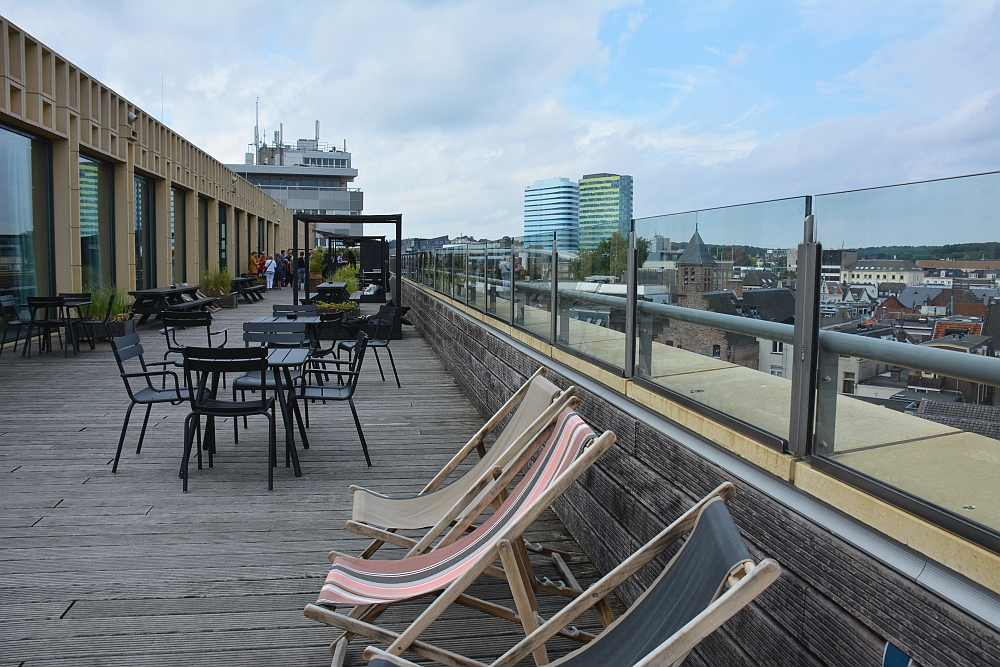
(297, 411)
(286, 418)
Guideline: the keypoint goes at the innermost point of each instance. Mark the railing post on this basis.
(554, 297)
(510, 295)
(826, 402)
(806, 343)
(632, 293)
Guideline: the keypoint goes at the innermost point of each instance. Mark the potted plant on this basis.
(317, 262)
(348, 307)
(218, 283)
(120, 320)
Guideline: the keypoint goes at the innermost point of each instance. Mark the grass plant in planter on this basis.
(218, 283)
(120, 321)
(348, 307)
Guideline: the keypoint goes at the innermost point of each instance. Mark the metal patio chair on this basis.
(126, 349)
(88, 325)
(11, 318)
(383, 333)
(203, 367)
(172, 322)
(320, 390)
(48, 313)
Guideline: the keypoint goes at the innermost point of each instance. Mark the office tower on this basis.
(605, 208)
(552, 205)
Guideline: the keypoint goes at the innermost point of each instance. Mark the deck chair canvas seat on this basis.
(707, 581)
(570, 448)
(424, 510)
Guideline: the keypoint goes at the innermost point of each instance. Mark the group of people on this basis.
(280, 270)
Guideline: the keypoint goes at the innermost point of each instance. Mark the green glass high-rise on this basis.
(605, 208)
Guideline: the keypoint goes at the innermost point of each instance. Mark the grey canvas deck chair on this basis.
(708, 580)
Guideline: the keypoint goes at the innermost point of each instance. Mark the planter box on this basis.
(227, 301)
(315, 278)
(356, 311)
(117, 329)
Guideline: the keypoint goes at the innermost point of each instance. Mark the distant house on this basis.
(958, 302)
(875, 271)
(991, 326)
(956, 340)
(942, 277)
(755, 280)
(890, 289)
(770, 305)
(950, 327)
(913, 297)
(892, 308)
(862, 300)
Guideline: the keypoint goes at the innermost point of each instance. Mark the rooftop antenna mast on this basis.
(256, 133)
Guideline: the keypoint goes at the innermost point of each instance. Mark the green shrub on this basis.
(346, 274)
(317, 260)
(216, 282)
(121, 307)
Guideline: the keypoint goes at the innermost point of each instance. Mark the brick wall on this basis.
(834, 605)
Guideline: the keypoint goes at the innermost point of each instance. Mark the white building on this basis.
(875, 271)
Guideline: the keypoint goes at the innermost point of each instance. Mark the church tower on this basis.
(695, 273)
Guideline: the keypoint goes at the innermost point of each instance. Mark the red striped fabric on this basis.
(356, 581)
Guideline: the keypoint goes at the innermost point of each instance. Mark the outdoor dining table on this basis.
(157, 300)
(78, 305)
(312, 323)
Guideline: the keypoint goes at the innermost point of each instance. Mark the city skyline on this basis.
(455, 107)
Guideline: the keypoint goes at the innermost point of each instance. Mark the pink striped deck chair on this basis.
(452, 566)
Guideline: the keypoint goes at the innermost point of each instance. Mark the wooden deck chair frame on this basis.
(383, 534)
(508, 547)
(745, 582)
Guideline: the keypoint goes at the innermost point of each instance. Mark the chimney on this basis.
(317, 131)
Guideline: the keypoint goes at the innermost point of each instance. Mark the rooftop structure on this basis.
(875, 271)
(309, 177)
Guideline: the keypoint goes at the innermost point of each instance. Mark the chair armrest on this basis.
(163, 374)
(161, 363)
(225, 332)
(372, 653)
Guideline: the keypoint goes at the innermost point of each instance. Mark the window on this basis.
(178, 237)
(145, 233)
(203, 231)
(848, 383)
(777, 347)
(717, 351)
(96, 223)
(223, 215)
(25, 216)
(778, 371)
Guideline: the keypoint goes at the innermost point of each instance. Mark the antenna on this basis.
(317, 132)
(256, 134)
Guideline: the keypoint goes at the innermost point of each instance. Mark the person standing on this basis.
(252, 266)
(279, 271)
(269, 268)
(300, 267)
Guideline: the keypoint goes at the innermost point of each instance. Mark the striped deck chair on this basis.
(708, 581)
(371, 586)
(534, 406)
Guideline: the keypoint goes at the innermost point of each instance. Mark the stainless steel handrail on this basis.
(971, 367)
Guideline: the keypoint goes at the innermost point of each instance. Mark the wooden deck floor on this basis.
(102, 569)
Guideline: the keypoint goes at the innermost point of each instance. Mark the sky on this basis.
(451, 108)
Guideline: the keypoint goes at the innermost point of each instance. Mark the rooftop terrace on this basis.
(126, 567)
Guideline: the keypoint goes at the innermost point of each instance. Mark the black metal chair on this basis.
(48, 313)
(321, 391)
(172, 322)
(86, 328)
(11, 317)
(328, 329)
(202, 368)
(282, 309)
(126, 349)
(268, 335)
(386, 319)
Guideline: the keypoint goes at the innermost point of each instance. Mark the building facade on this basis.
(95, 191)
(553, 205)
(309, 177)
(605, 208)
(875, 271)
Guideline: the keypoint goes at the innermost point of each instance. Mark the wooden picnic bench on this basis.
(245, 287)
(159, 300)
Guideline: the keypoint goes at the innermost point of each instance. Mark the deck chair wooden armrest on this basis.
(612, 580)
(476, 441)
(372, 653)
(354, 488)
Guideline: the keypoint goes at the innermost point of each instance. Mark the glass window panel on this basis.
(25, 216)
(96, 223)
(178, 236)
(145, 233)
(223, 224)
(533, 284)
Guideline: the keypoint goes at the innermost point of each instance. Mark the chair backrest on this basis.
(76, 296)
(694, 578)
(276, 334)
(127, 348)
(50, 304)
(386, 320)
(305, 309)
(204, 365)
(201, 319)
(329, 329)
(9, 310)
(360, 345)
